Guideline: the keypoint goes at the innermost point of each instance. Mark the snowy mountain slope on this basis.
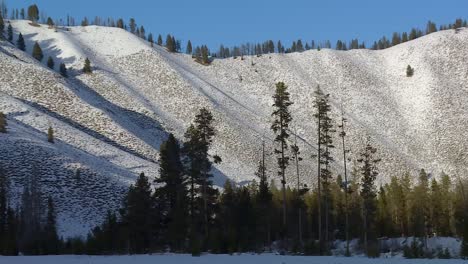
(137, 93)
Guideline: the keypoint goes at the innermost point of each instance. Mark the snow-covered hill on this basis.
(110, 124)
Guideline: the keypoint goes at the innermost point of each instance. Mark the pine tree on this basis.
(160, 40)
(150, 39)
(431, 27)
(37, 52)
(2, 25)
(189, 47)
(87, 66)
(3, 123)
(280, 126)
(172, 195)
(324, 145)
(51, 238)
(132, 25)
(63, 70)
(50, 22)
(264, 203)
(369, 174)
(50, 63)
(409, 71)
(170, 45)
(50, 135)
(137, 215)
(120, 23)
(142, 33)
(10, 32)
(33, 13)
(199, 137)
(345, 184)
(20, 42)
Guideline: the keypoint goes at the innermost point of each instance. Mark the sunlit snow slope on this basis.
(110, 124)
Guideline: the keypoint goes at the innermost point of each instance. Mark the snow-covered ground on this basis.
(216, 259)
(110, 124)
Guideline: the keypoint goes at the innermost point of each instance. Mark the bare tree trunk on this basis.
(343, 134)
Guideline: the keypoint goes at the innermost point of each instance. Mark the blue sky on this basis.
(213, 22)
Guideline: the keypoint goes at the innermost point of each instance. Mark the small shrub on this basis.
(409, 71)
(50, 135)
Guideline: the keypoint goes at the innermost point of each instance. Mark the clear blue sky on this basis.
(213, 22)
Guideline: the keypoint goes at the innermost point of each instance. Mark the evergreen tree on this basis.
(324, 158)
(280, 126)
(50, 22)
(63, 70)
(20, 42)
(160, 41)
(150, 39)
(120, 23)
(2, 25)
(189, 47)
(33, 13)
(369, 174)
(50, 63)
(345, 184)
(51, 238)
(264, 205)
(409, 71)
(136, 215)
(199, 138)
(87, 66)
(37, 52)
(50, 135)
(132, 25)
(172, 195)
(431, 27)
(10, 32)
(3, 123)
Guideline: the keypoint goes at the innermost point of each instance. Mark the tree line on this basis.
(257, 49)
(181, 210)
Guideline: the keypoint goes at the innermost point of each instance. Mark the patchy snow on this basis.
(112, 121)
(212, 259)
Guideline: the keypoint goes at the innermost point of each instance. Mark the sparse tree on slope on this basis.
(33, 13)
(280, 127)
(150, 39)
(63, 70)
(132, 25)
(160, 40)
(37, 52)
(189, 47)
(50, 135)
(2, 25)
(50, 63)
(50, 22)
(20, 43)
(10, 32)
(87, 66)
(3, 123)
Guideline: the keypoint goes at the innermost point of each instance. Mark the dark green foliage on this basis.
(160, 40)
(2, 25)
(170, 43)
(50, 22)
(282, 119)
(369, 173)
(132, 25)
(150, 39)
(50, 135)
(50, 63)
(172, 195)
(10, 32)
(87, 66)
(33, 13)
(3, 123)
(37, 52)
(137, 215)
(51, 239)
(189, 47)
(20, 43)
(464, 245)
(63, 70)
(409, 71)
(120, 23)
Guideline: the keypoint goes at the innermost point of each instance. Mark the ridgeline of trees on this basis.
(267, 47)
